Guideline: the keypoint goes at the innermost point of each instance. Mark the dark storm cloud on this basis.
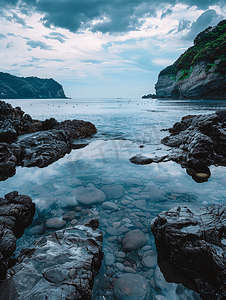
(206, 19)
(116, 15)
(38, 44)
(56, 36)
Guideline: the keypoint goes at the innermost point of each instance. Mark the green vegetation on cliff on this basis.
(13, 87)
(209, 45)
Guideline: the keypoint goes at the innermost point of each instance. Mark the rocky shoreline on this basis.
(28, 143)
(196, 143)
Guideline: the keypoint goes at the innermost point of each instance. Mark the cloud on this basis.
(97, 15)
(2, 36)
(9, 45)
(163, 61)
(56, 36)
(92, 61)
(183, 24)
(38, 44)
(208, 18)
(166, 13)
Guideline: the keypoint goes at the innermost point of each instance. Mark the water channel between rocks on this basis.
(99, 181)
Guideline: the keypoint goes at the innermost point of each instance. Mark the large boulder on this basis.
(191, 248)
(16, 213)
(60, 266)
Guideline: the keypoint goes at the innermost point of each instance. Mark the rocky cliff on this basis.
(200, 71)
(13, 87)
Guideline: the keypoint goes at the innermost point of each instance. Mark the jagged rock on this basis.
(7, 161)
(36, 143)
(191, 248)
(13, 87)
(197, 142)
(60, 266)
(44, 147)
(16, 213)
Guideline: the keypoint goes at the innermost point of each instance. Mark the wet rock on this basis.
(68, 216)
(16, 213)
(113, 191)
(40, 143)
(62, 266)
(89, 195)
(44, 147)
(134, 240)
(110, 205)
(149, 259)
(131, 287)
(109, 259)
(197, 142)
(55, 223)
(191, 248)
(7, 162)
(35, 230)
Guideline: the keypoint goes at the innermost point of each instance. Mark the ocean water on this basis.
(125, 127)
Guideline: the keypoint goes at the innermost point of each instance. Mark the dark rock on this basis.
(7, 161)
(16, 213)
(36, 143)
(49, 124)
(197, 142)
(191, 248)
(13, 123)
(44, 147)
(61, 266)
(13, 87)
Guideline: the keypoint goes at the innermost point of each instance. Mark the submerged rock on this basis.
(191, 248)
(60, 266)
(16, 213)
(134, 240)
(132, 287)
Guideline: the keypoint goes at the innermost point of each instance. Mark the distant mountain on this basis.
(200, 71)
(13, 87)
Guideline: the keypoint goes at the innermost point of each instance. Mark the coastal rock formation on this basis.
(28, 142)
(197, 142)
(60, 266)
(200, 71)
(13, 87)
(16, 213)
(191, 248)
(13, 122)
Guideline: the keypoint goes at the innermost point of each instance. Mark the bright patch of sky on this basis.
(98, 52)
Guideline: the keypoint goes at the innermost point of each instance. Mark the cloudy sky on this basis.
(100, 48)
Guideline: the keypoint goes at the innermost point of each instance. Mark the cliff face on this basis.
(13, 87)
(200, 71)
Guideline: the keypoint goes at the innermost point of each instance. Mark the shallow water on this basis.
(123, 125)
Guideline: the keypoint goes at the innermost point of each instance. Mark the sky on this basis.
(100, 48)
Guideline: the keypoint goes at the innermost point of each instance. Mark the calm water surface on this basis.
(123, 125)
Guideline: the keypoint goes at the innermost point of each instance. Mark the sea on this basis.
(125, 127)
